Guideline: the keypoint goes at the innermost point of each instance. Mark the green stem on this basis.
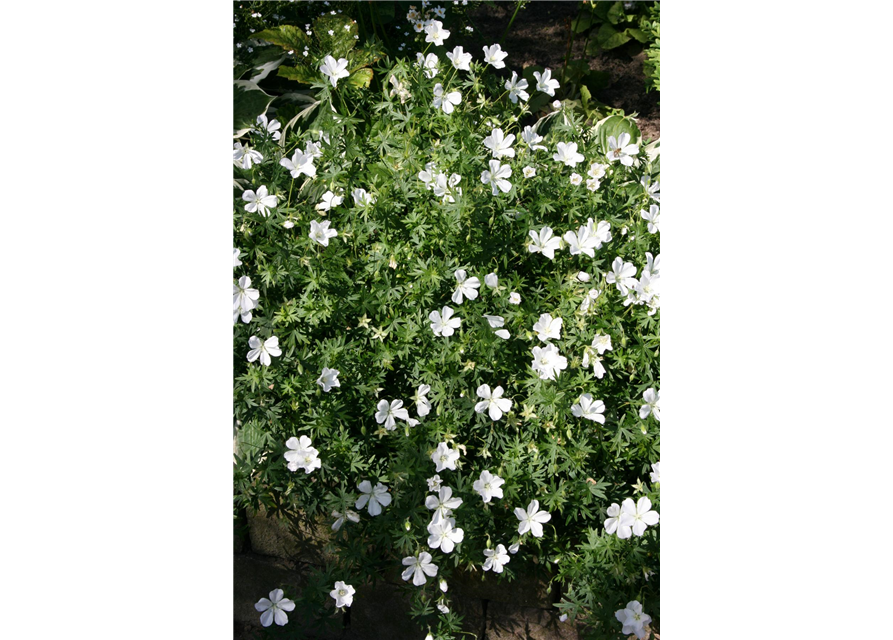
(508, 28)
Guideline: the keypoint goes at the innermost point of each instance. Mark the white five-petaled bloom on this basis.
(434, 32)
(596, 171)
(244, 299)
(491, 280)
(260, 201)
(544, 242)
(633, 620)
(328, 379)
(328, 201)
(576, 179)
(399, 90)
(445, 101)
(652, 189)
(652, 216)
(500, 145)
(496, 322)
(620, 149)
(340, 518)
(388, 412)
(496, 177)
(516, 88)
(547, 328)
(459, 58)
(496, 558)
(418, 567)
(489, 486)
(622, 274)
(566, 152)
(492, 402)
(300, 162)
(640, 514)
(532, 138)
(601, 343)
(428, 176)
(434, 483)
(601, 232)
(377, 497)
(652, 266)
(655, 475)
(444, 457)
(274, 609)
(590, 409)
(494, 55)
(443, 323)
(443, 503)
(582, 276)
(236, 261)
(547, 362)
(652, 399)
(443, 187)
(514, 298)
(343, 594)
(301, 454)
(582, 241)
(545, 83)
(361, 198)
(532, 520)
(334, 69)
(245, 156)
(320, 232)
(528, 171)
(618, 522)
(465, 286)
(271, 127)
(263, 350)
(428, 63)
(422, 404)
(592, 184)
(444, 535)
(598, 369)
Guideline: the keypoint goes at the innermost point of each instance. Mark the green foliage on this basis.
(652, 62)
(608, 25)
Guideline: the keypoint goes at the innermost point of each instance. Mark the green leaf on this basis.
(610, 38)
(616, 13)
(299, 74)
(584, 98)
(286, 36)
(360, 78)
(596, 80)
(638, 34)
(249, 101)
(614, 126)
(583, 20)
(341, 41)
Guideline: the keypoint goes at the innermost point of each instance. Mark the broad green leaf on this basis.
(360, 78)
(610, 38)
(596, 80)
(583, 21)
(584, 97)
(638, 34)
(249, 101)
(286, 36)
(616, 13)
(300, 74)
(614, 126)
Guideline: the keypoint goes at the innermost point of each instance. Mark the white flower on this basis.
(274, 608)
(545, 83)
(588, 299)
(496, 558)
(496, 177)
(562, 617)
(623, 274)
(532, 138)
(328, 201)
(428, 63)
(576, 179)
(434, 483)
(443, 586)
(596, 171)
(271, 127)
(466, 286)
(493, 402)
(377, 497)
(567, 153)
(582, 241)
(590, 409)
(442, 607)
(652, 216)
(361, 198)
(495, 323)
(514, 298)
(556, 105)
(633, 620)
(582, 276)
(263, 350)
(646, 289)
(532, 520)
(515, 547)
(353, 516)
(328, 379)
(652, 266)
(288, 224)
(418, 567)
(640, 514)
(601, 343)
(619, 522)
(445, 101)
(388, 413)
(428, 176)
(259, 201)
(320, 232)
(244, 299)
(528, 171)
(343, 594)
(399, 90)
(334, 69)
(596, 361)
(544, 242)
(500, 145)
(489, 486)
(652, 189)
(245, 157)
(621, 149)
(300, 162)
(547, 362)
(547, 328)
(652, 398)
(434, 32)
(516, 88)
(459, 58)
(444, 534)
(443, 503)
(423, 405)
(655, 475)
(494, 55)
(491, 280)
(444, 457)
(592, 184)
(301, 455)
(601, 232)
(237, 262)
(443, 323)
